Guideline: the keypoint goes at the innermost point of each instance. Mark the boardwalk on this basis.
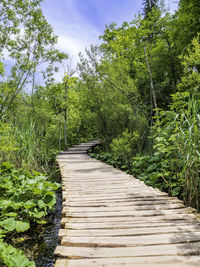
(112, 219)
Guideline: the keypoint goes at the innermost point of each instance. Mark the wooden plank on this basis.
(112, 184)
(119, 204)
(123, 208)
(97, 178)
(89, 191)
(96, 196)
(163, 261)
(131, 241)
(126, 224)
(132, 201)
(129, 213)
(115, 194)
(100, 178)
(104, 198)
(140, 251)
(104, 202)
(99, 181)
(161, 218)
(70, 176)
(83, 186)
(100, 198)
(100, 185)
(128, 232)
(108, 188)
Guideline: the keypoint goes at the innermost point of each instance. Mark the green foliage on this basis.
(128, 44)
(7, 144)
(156, 171)
(190, 81)
(148, 5)
(25, 199)
(28, 195)
(28, 48)
(138, 66)
(164, 149)
(13, 257)
(124, 147)
(2, 70)
(186, 24)
(174, 166)
(186, 139)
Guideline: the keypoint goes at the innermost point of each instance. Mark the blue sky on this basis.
(78, 23)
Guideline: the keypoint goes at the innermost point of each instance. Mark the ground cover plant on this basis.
(25, 200)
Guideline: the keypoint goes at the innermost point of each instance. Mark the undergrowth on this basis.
(25, 200)
(173, 164)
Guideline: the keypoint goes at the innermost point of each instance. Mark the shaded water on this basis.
(46, 255)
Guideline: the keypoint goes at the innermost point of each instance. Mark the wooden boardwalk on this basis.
(112, 219)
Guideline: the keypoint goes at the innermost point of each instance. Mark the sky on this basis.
(79, 23)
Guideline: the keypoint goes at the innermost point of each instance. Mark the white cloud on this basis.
(70, 45)
(174, 5)
(73, 44)
(74, 31)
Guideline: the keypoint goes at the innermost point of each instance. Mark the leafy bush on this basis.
(124, 147)
(13, 257)
(25, 198)
(175, 164)
(156, 171)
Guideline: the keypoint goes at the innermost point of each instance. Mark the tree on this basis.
(30, 42)
(13, 14)
(148, 5)
(190, 81)
(148, 49)
(186, 24)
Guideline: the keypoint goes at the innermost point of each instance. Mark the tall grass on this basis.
(188, 143)
(23, 146)
(178, 143)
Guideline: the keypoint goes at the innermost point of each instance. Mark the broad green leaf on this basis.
(8, 224)
(22, 226)
(48, 199)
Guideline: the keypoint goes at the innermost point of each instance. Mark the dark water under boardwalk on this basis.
(46, 256)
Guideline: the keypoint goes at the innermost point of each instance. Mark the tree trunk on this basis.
(151, 80)
(65, 114)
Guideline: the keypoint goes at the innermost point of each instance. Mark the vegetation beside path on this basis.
(138, 91)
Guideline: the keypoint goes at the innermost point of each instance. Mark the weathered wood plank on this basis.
(123, 208)
(96, 196)
(108, 198)
(119, 204)
(137, 219)
(128, 232)
(65, 222)
(140, 251)
(126, 213)
(113, 203)
(163, 261)
(131, 241)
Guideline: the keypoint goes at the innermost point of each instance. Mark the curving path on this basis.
(112, 219)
